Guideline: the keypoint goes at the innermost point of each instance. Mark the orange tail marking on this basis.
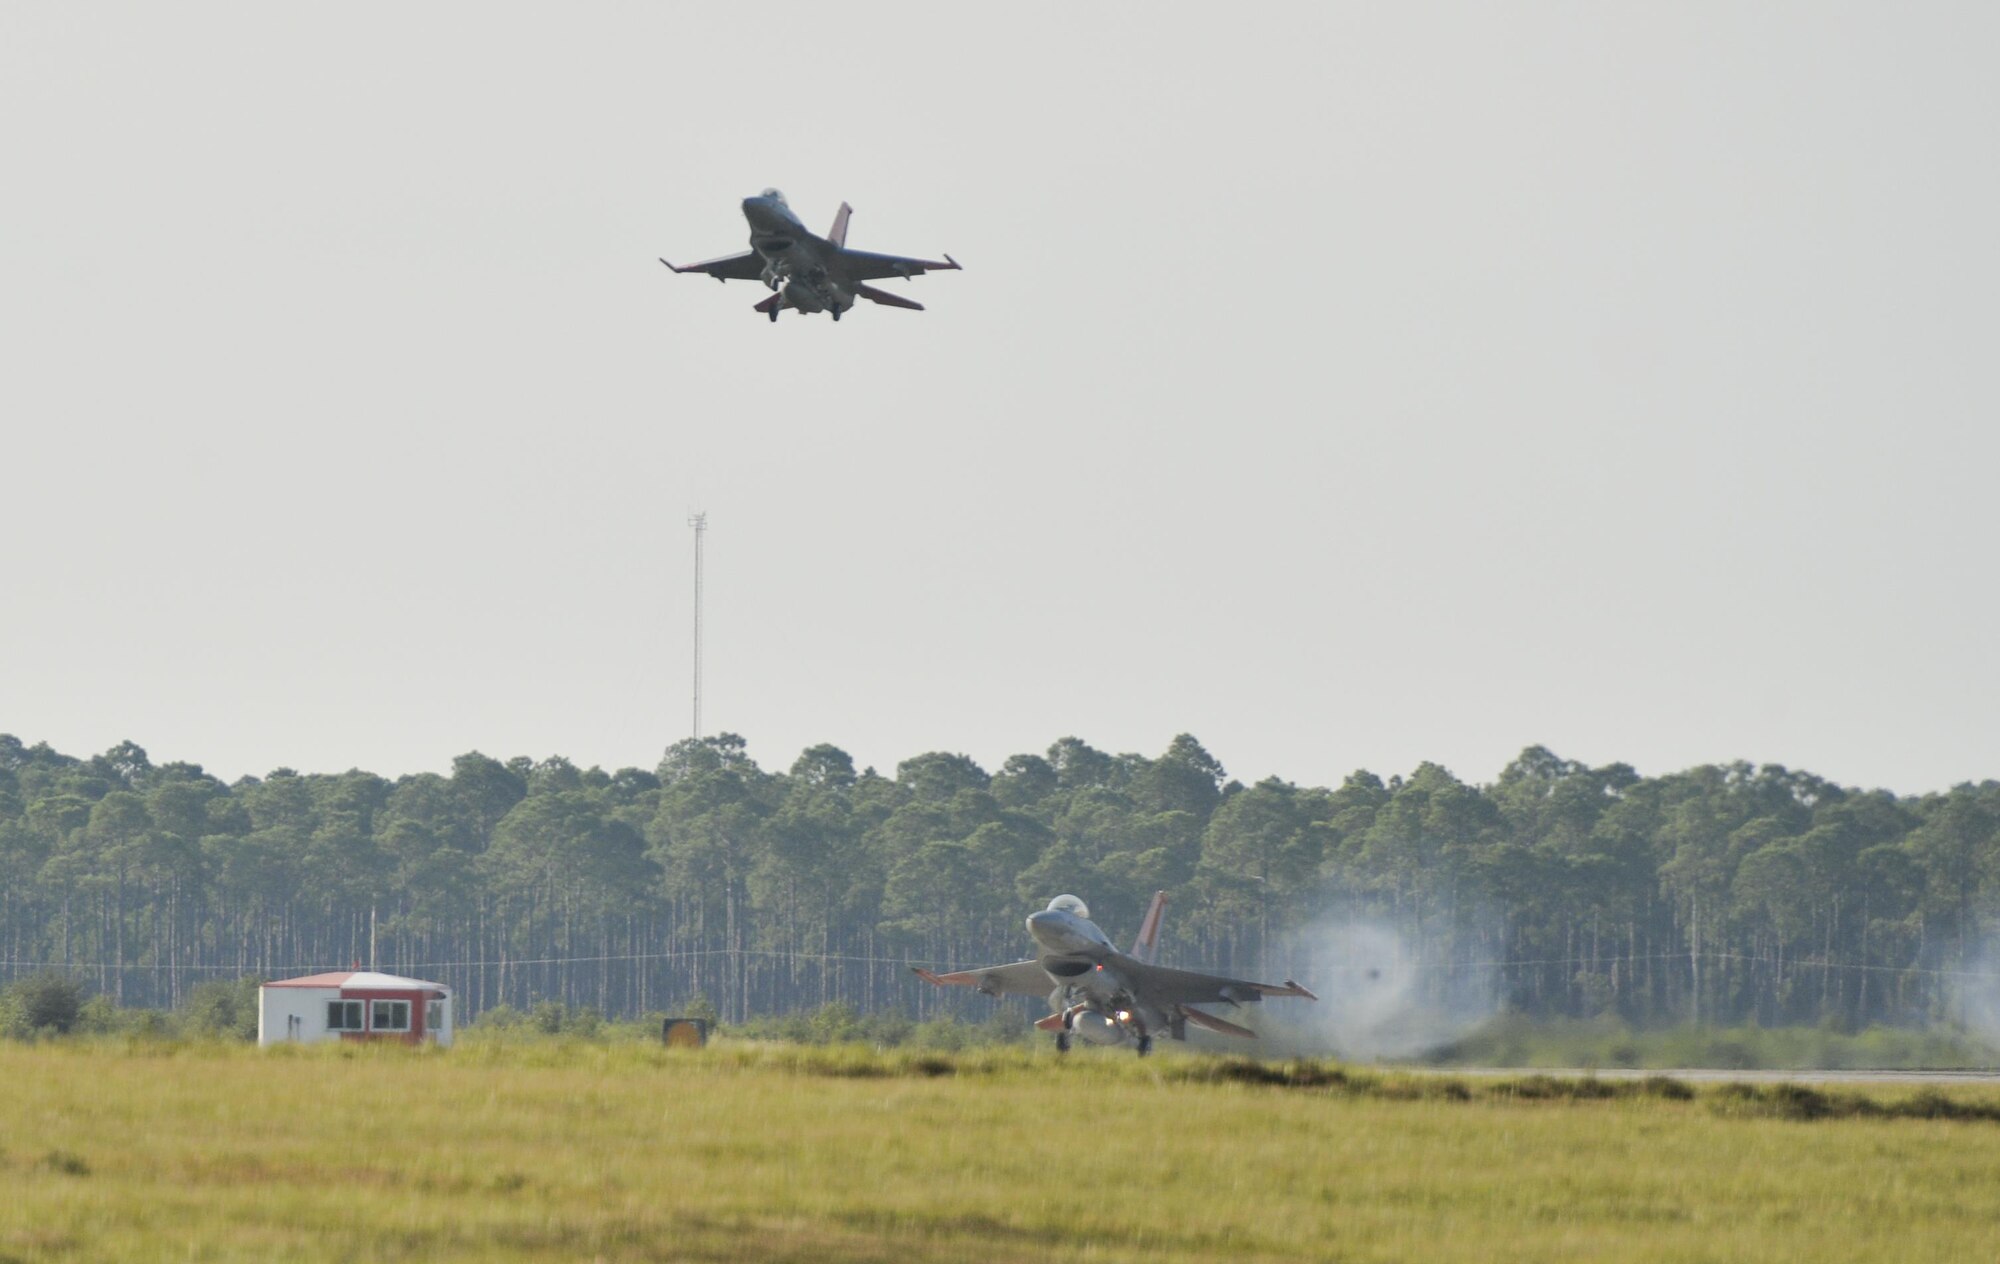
(1148, 943)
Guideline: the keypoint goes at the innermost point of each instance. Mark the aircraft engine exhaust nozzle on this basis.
(1098, 1029)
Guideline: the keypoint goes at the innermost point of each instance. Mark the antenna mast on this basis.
(699, 521)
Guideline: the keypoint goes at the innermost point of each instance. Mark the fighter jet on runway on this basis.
(1106, 996)
(808, 273)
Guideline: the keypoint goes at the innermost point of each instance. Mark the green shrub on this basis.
(551, 1018)
(1667, 1088)
(224, 1009)
(45, 1004)
(836, 1023)
(99, 1016)
(946, 1033)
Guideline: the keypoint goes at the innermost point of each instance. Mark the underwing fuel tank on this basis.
(1098, 1029)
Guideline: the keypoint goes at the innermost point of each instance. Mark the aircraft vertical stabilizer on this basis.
(1147, 946)
(838, 233)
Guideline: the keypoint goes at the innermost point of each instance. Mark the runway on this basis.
(1714, 1075)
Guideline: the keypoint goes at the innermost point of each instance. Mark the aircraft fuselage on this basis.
(795, 258)
(1081, 962)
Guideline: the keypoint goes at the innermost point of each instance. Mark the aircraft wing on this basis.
(861, 265)
(1161, 985)
(1024, 978)
(748, 266)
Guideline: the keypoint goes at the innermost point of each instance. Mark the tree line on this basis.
(1723, 893)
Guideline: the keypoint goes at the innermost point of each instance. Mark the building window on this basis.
(433, 1016)
(390, 1016)
(343, 1015)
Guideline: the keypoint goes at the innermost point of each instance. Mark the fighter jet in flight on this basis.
(1106, 996)
(808, 273)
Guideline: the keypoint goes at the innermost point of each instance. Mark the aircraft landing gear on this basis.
(1062, 1042)
(836, 315)
(1145, 1045)
(774, 313)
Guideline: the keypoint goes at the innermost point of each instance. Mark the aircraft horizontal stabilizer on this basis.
(885, 298)
(1052, 1023)
(1214, 1024)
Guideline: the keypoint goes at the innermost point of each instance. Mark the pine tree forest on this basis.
(1725, 893)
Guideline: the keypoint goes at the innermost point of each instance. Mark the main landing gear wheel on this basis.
(774, 313)
(1062, 1042)
(836, 315)
(1145, 1045)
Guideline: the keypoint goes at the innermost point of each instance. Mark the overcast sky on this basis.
(1346, 385)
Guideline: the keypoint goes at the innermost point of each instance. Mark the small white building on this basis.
(353, 1005)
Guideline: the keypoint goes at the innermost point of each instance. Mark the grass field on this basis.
(555, 1150)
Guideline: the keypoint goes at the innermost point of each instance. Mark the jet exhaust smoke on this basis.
(1977, 998)
(1379, 997)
